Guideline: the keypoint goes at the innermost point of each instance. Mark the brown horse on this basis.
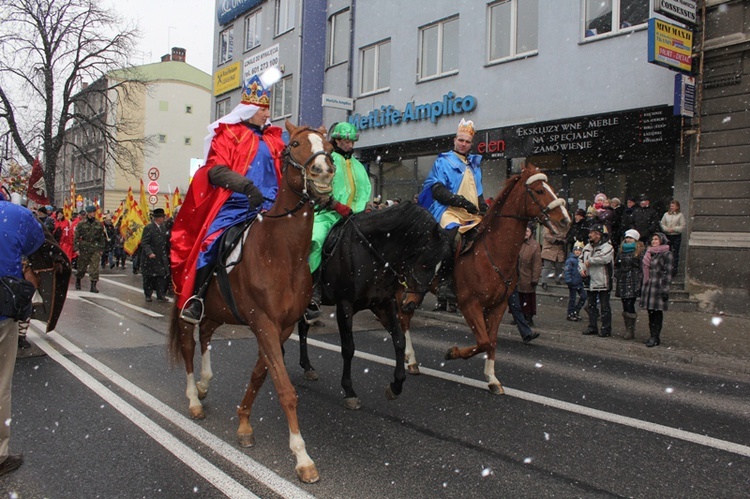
(269, 298)
(485, 275)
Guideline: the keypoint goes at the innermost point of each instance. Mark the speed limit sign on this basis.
(153, 199)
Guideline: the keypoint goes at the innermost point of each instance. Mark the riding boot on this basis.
(78, 283)
(192, 311)
(629, 319)
(93, 287)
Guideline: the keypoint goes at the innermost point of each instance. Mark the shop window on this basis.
(376, 68)
(222, 108)
(438, 49)
(282, 99)
(252, 30)
(285, 15)
(613, 16)
(226, 45)
(338, 38)
(513, 29)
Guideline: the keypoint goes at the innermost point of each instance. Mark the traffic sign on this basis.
(153, 173)
(153, 199)
(153, 187)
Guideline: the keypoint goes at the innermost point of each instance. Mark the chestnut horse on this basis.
(486, 274)
(271, 285)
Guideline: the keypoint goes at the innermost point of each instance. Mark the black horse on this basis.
(368, 259)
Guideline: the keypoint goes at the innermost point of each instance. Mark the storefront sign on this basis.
(669, 45)
(679, 10)
(257, 63)
(229, 10)
(684, 95)
(388, 115)
(227, 79)
(338, 102)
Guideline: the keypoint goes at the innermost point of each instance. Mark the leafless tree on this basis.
(49, 50)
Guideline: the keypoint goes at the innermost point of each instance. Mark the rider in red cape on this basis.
(243, 166)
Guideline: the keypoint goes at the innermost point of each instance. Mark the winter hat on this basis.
(90, 208)
(578, 246)
(633, 233)
(597, 228)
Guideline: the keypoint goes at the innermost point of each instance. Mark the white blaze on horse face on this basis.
(557, 202)
(316, 143)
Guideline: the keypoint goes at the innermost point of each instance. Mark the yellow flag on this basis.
(176, 198)
(167, 208)
(132, 224)
(143, 204)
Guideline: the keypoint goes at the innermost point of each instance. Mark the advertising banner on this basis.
(669, 45)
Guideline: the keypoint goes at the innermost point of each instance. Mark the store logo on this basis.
(388, 115)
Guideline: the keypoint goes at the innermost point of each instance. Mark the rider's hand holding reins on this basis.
(341, 209)
(254, 196)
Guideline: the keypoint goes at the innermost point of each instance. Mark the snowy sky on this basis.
(171, 23)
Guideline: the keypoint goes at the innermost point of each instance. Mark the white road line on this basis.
(256, 470)
(223, 482)
(81, 295)
(121, 284)
(742, 450)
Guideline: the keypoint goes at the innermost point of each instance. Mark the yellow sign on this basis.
(228, 78)
(670, 45)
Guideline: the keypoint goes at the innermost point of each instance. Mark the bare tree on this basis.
(49, 50)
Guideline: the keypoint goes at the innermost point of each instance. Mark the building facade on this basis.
(169, 113)
(566, 85)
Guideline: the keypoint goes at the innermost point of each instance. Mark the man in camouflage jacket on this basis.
(90, 242)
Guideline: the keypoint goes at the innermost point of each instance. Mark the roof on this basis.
(169, 70)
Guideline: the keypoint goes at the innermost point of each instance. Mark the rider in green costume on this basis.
(351, 193)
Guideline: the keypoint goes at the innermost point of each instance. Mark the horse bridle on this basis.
(543, 217)
(304, 196)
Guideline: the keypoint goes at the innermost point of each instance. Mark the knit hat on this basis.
(596, 228)
(633, 233)
(578, 246)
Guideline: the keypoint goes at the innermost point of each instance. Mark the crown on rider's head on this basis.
(254, 93)
(466, 127)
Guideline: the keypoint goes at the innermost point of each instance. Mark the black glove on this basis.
(464, 203)
(483, 206)
(254, 196)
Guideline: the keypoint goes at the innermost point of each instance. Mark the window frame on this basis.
(256, 15)
(513, 53)
(226, 57)
(289, 23)
(223, 107)
(281, 85)
(440, 46)
(332, 24)
(616, 29)
(377, 46)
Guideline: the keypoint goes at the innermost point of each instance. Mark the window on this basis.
(188, 141)
(162, 138)
(285, 10)
(222, 108)
(282, 99)
(612, 16)
(188, 109)
(226, 45)
(252, 30)
(439, 49)
(338, 38)
(513, 28)
(376, 67)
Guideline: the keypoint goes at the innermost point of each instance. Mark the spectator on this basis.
(578, 230)
(529, 272)
(574, 280)
(645, 219)
(22, 235)
(63, 234)
(673, 224)
(616, 234)
(155, 255)
(553, 256)
(605, 215)
(596, 265)
(108, 255)
(628, 272)
(626, 222)
(657, 276)
(514, 305)
(90, 242)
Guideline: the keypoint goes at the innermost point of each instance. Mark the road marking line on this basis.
(253, 468)
(742, 450)
(223, 482)
(82, 295)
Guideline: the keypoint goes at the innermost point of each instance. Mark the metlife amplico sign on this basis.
(680, 10)
(257, 63)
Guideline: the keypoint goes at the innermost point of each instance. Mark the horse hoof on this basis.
(352, 403)
(497, 389)
(196, 412)
(451, 354)
(246, 439)
(311, 375)
(413, 369)
(202, 393)
(390, 395)
(308, 474)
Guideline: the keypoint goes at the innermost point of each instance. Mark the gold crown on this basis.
(255, 94)
(466, 127)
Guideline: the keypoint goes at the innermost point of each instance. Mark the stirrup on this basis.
(311, 313)
(188, 303)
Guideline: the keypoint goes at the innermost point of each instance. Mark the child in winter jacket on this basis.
(574, 280)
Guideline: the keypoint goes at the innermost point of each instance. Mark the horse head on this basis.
(309, 152)
(541, 203)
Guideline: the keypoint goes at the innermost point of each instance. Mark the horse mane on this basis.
(499, 202)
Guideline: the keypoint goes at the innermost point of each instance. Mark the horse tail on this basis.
(175, 337)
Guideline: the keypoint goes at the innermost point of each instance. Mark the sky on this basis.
(171, 23)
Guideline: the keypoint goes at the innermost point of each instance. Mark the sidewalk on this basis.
(715, 342)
